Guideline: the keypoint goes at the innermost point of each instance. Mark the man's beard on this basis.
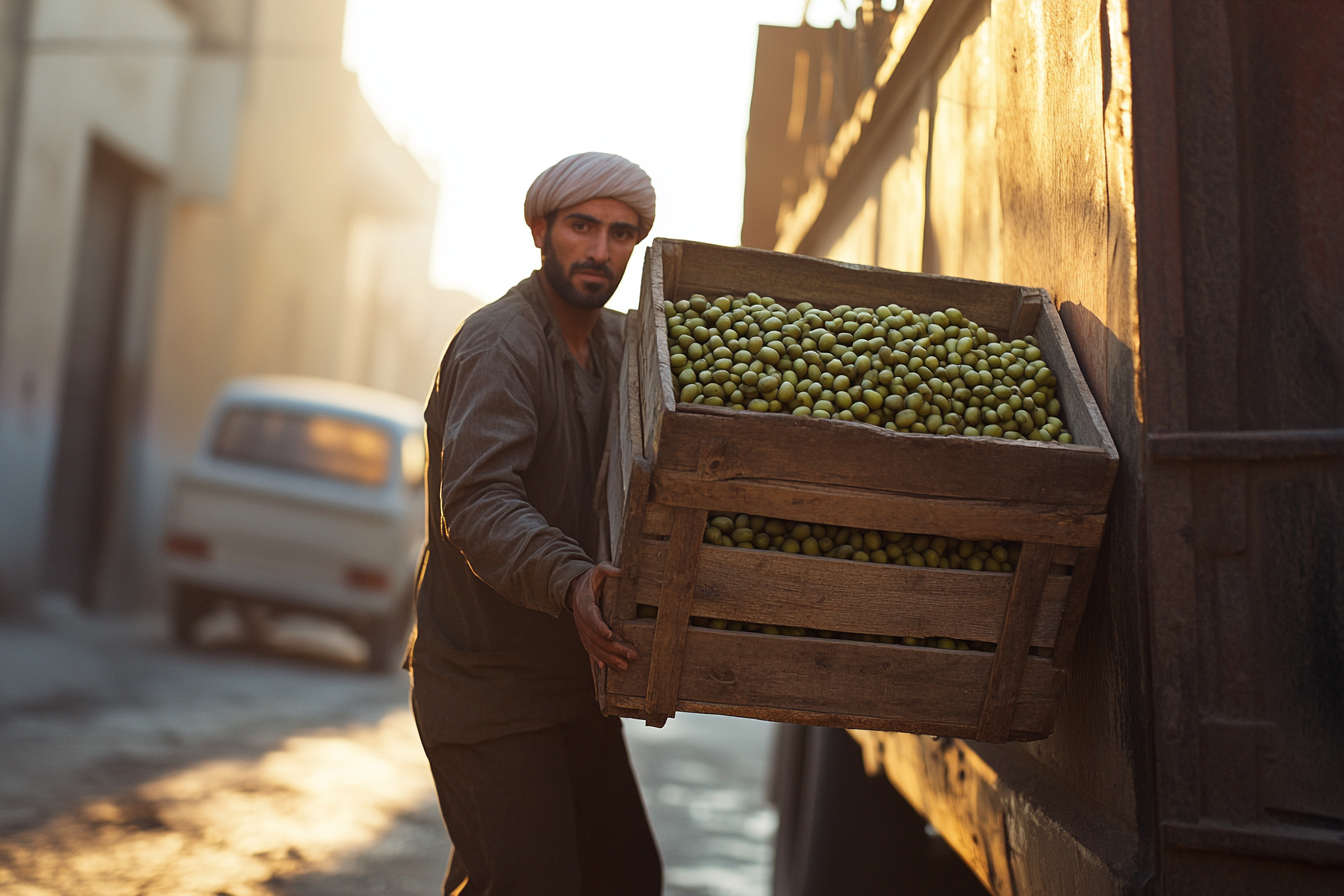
(564, 284)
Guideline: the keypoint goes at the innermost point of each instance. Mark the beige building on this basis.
(195, 190)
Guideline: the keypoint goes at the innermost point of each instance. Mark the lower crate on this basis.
(1001, 693)
(850, 684)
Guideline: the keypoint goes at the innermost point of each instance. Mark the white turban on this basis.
(591, 175)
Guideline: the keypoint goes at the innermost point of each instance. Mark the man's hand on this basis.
(599, 640)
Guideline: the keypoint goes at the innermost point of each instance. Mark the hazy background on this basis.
(488, 103)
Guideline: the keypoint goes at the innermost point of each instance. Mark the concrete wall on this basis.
(280, 230)
(106, 69)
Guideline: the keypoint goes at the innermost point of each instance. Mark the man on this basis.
(534, 783)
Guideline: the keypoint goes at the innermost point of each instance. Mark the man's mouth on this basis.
(592, 278)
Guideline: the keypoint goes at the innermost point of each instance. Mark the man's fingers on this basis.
(593, 617)
(609, 652)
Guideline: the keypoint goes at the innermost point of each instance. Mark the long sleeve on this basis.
(490, 437)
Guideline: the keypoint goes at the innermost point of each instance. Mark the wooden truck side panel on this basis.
(1169, 172)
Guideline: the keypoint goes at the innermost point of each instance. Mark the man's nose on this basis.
(599, 250)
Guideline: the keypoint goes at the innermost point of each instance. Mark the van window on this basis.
(413, 459)
(321, 444)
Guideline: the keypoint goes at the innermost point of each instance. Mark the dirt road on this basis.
(132, 767)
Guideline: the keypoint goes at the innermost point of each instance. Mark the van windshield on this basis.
(320, 444)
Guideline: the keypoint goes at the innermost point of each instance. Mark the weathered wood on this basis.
(631, 417)
(790, 279)
(949, 784)
(667, 649)
(655, 382)
(1246, 445)
(658, 520)
(1082, 416)
(773, 588)
(1027, 315)
(619, 602)
(1011, 658)
(871, 509)
(1074, 604)
(842, 453)
(1065, 555)
(889, 686)
(619, 454)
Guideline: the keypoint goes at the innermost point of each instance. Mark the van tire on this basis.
(386, 637)
(187, 607)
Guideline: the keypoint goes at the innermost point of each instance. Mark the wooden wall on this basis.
(1018, 115)
(1169, 172)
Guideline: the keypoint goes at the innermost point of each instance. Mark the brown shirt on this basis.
(516, 430)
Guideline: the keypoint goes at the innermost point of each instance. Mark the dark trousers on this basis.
(554, 812)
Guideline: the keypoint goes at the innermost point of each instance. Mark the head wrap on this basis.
(591, 175)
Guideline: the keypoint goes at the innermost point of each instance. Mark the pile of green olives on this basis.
(860, 545)
(887, 366)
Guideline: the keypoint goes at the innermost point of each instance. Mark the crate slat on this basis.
(842, 453)
(678, 587)
(1010, 660)
(757, 673)
(839, 595)
(889, 511)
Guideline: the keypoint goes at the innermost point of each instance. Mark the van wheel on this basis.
(386, 637)
(188, 607)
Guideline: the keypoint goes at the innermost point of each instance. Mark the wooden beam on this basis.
(1011, 658)
(669, 640)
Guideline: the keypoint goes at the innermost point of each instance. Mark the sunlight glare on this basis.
(488, 96)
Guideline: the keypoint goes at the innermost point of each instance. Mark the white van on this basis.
(305, 495)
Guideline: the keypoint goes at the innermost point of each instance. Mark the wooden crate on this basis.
(677, 462)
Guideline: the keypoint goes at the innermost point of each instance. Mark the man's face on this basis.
(586, 248)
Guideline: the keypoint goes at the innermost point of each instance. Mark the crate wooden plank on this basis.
(789, 279)
(768, 587)
(1010, 660)
(871, 509)
(857, 455)
(1027, 313)
(658, 520)
(631, 708)
(631, 415)
(1074, 603)
(618, 599)
(891, 686)
(678, 586)
(1082, 417)
(620, 443)
(655, 379)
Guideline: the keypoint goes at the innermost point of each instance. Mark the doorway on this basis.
(90, 423)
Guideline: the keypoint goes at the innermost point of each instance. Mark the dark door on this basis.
(89, 434)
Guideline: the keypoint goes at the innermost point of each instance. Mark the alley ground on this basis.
(132, 767)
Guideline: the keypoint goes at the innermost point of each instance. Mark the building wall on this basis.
(278, 229)
(96, 69)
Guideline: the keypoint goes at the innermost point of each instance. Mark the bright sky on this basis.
(490, 94)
